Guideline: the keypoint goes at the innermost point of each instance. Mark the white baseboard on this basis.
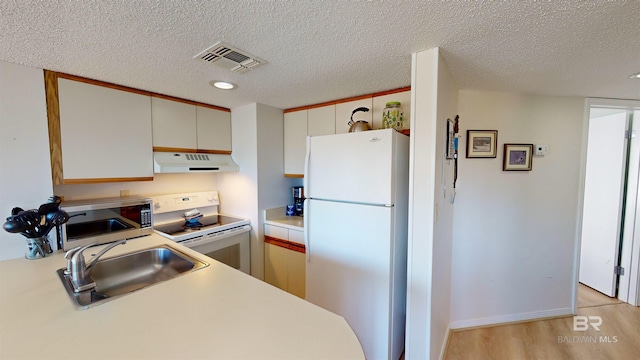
(445, 343)
(505, 319)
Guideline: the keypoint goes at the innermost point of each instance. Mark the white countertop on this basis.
(215, 312)
(278, 217)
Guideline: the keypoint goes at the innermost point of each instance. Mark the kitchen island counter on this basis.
(215, 312)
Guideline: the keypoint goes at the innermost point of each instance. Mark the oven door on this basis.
(230, 247)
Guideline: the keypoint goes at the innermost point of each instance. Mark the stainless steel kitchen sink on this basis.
(120, 275)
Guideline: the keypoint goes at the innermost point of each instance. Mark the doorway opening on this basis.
(610, 223)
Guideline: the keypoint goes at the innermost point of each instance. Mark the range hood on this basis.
(170, 162)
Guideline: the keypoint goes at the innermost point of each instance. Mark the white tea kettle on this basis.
(359, 125)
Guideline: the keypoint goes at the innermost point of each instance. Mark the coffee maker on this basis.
(298, 200)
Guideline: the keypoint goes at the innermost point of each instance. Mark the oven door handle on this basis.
(220, 235)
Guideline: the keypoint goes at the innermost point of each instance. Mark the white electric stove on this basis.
(222, 237)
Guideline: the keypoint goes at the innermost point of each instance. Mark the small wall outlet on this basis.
(124, 193)
(541, 150)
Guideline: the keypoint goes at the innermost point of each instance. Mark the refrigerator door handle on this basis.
(305, 223)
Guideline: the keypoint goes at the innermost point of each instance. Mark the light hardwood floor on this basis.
(618, 338)
(589, 297)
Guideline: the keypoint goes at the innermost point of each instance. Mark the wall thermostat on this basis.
(541, 150)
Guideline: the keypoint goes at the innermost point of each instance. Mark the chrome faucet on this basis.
(77, 269)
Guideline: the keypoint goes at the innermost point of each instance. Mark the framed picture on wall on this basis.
(482, 143)
(517, 157)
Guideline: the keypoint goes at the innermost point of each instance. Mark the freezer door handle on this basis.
(305, 223)
(305, 180)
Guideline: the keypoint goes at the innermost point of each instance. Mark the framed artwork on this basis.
(450, 139)
(517, 157)
(482, 143)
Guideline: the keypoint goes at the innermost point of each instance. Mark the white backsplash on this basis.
(162, 184)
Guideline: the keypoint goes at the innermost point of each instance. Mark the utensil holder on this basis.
(38, 247)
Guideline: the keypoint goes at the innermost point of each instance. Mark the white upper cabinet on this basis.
(105, 134)
(174, 124)
(344, 110)
(380, 102)
(321, 120)
(213, 130)
(295, 142)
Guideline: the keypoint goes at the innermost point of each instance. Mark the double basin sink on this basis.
(120, 275)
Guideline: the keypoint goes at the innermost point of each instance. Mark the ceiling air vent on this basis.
(229, 58)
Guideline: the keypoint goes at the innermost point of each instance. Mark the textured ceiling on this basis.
(325, 50)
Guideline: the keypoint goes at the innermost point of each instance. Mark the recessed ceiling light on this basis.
(635, 76)
(224, 85)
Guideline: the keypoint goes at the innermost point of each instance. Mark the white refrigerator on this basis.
(355, 214)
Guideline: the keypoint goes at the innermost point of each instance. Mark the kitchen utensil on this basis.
(359, 125)
(26, 221)
(54, 219)
(52, 205)
(55, 199)
(13, 226)
(47, 208)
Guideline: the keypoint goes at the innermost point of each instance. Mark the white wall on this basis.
(434, 99)
(258, 148)
(239, 191)
(25, 176)
(447, 108)
(515, 232)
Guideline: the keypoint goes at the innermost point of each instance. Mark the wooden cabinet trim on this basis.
(297, 176)
(355, 98)
(285, 244)
(190, 102)
(174, 150)
(53, 120)
(192, 151)
(220, 152)
(133, 90)
(334, 102)
(389, 92)
(104, 180)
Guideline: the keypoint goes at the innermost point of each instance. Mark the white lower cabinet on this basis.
(283, 267)
(105, 134)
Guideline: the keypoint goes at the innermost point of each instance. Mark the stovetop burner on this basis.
(203, 223)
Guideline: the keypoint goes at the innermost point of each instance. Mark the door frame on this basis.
(629, 285)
